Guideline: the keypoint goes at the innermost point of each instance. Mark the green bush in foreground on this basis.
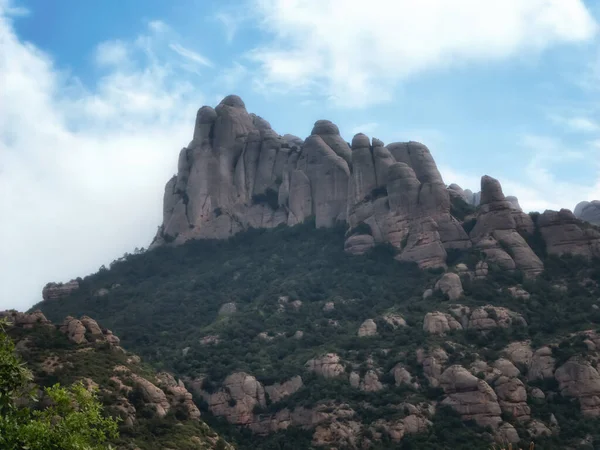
(72, 421)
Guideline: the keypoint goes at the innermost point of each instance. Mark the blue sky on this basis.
(97, 98)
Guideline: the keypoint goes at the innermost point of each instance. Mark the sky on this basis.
(97, 99)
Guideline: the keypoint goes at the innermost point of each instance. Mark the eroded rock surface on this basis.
(471, 397)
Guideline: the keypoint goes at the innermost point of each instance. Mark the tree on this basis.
(72, 420)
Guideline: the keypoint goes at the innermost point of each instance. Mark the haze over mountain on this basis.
(95, 102)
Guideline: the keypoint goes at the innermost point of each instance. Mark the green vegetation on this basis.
(70, 418)
(269, 198)
(168, 300)
(460, 209)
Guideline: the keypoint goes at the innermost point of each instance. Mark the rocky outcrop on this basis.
(54, 291)
(279, 391)
(577, 378)
(25, 320)
(403, 377)
(450, 285)
(236, 400)
(237, 173)
(487, 317)
(86, 330)
(588, 211)
(512, 397)
(439, 323)
(433, 363)
(394, 320)
(152, 395)
(563, 234)
(541, 365)
(179, 397)
(327, 366)
(498, 231)
(367, 328)
(462, 317)
(74, 329)
(471, 397)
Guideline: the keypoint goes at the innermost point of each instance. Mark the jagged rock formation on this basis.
(328, 365)
(499, 229)
(564, 233)
(54, 291)
(462, 317)
(471, 397)
(237, 172)
(579, 379)
(474, 199)
(588, 211)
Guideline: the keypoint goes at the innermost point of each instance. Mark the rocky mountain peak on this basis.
(237, 173)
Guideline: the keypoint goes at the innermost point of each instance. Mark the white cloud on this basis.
(111, 53)
(82, 169)
(158, 26)
(359, 51)
(190, 54)
(576, 123)
(533, 181)
(230, 24)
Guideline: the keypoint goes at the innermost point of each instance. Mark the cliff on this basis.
(237, 173)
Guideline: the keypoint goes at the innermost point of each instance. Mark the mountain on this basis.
(155, 409)
(323, 294)
(238, 173)
(588, 211)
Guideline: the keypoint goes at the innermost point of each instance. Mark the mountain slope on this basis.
(340, 295)
(156, 411)
(283, 313)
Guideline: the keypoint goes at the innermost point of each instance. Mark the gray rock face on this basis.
(498, 230)
(579, 379)
(471, 397)
(54, 291)
(237, 173)
(564, 233)
(588, 211)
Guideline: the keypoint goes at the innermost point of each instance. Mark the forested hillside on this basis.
(281, 334)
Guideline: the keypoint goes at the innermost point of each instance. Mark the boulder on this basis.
(55, 291)
(439, 323)
(450, 285)
(512, 397)
(588, 211)
(497, 232)
(359, 244)
(403, 377)
(433, 364)
(471, 397)
(279, 391)
(152, 395)
(542, 364)
(487, 317)
(327, 366)
(92, 327)
(394, 320)
(74, 329)
(368, 328)
(577, 378)
(237, 398)
(563, 234)
(370, 382)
